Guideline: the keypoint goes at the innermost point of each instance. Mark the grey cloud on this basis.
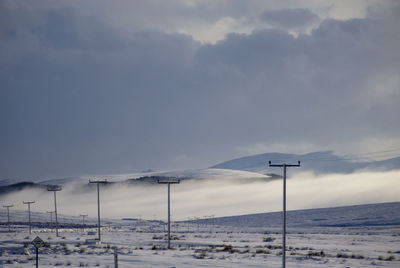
(289, 18)
(82, 98)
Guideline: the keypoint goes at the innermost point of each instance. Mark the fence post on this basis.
(115, 258)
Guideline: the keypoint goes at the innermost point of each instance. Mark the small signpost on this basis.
(38, 243)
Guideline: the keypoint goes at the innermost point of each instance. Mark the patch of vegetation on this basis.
(262, 251)
(158, 247)
(347, 256)
(272, 247)
(201, 255)
(389, 258)
(316, 253)
(228, 248)
(268, 239)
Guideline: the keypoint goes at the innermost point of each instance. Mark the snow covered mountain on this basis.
(249, 168)
(319, 162)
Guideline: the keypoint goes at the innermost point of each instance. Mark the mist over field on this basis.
(219, 197)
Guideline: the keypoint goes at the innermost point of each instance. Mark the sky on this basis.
(100, 87)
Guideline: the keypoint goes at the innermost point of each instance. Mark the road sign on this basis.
(38, 242)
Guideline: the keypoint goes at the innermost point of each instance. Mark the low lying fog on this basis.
(216, 197)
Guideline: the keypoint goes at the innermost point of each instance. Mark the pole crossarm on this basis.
(282, 165)
(98, 181)
(54, 188)
(168, 182)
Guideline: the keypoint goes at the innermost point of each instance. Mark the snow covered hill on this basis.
(223, 242)
(319, 162)
(382, 214)
(210, 173)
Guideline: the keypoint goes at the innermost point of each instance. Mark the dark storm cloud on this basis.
(78, 96)
(289, 18)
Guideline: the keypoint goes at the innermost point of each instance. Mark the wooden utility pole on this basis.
(98, 203)
(29, 213)
(169, 182)
(284, 165)
(54, 189)
(8, 216)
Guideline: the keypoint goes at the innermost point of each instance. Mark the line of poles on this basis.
(56, 188)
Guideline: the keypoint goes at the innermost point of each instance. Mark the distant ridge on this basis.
(142, 178)
(21, 186)
(319, 162)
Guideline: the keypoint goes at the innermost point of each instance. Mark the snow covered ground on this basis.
(219, 242)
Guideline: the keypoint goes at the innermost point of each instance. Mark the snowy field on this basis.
(357, 236)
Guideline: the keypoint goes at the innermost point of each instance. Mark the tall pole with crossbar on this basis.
(51, 220)
(98, 204)
(83, 221)
(284, 165)
(8, 216)
(169, 182)
(29, 213)
(54, 189)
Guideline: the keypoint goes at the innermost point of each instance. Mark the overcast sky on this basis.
(98, 87)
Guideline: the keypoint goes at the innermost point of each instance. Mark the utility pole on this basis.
(51, 218)
(98, 204)
(54, 189)
(8, 215)
(211, 223)
(83, 221)
(284, 165)
(169, 182)
(29, 213)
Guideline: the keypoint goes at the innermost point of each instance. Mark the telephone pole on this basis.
(169, 182)
(8, 215)
(54, 189)
(83, 221)
(98, 204)
(29, 213)
(284, 165)
(51, 219)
